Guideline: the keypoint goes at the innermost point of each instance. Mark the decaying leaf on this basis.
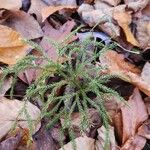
(10, 113)
(23, 23)
(112, 2)
(133, 115)
(146, 72)
(144, 129)
(6, 85)
(57, 35)
(36, 8)
(81, 143)
(143, 33)
(134, 143)
(11, 4)
(117, 65)
(124, 19)
(101, 138)
(12, 47)
(52, 9)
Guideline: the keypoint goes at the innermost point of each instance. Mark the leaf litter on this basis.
(127, 20)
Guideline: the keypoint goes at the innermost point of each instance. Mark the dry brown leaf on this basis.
(112, 2)
(144, 130)
(9, 113)
(81, 143)
(11, 46)
(117, 65)
(23, 23)
(124, 19)
(134, 143)
(57, 35)
(143, 33)
(52, 9)
(101, 139)
(147, 103)
(6, 85)
(133, 115)
(36, 8)
(11, 4)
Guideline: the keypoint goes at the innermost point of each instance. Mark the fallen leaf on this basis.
(47, 11)
(144, 130)
(11, 4)
(147, 103)
(145, 73)
(133, 115)
(36, 8)
(124, 19)
(57, 35)
(134, 143)
(60, 2)
(6, 85)
(101, 139)
(81, 143)
(23, 23)
(12, 47)
(117, 65)
(143, 33)
(9, 114)
(112, 2)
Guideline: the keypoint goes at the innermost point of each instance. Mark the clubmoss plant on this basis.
(78, 75)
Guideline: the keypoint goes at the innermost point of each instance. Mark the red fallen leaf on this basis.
(133, 115)
(134, 143)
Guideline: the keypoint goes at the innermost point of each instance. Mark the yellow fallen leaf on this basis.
(124, 19)
(12, 47)
(52, 9)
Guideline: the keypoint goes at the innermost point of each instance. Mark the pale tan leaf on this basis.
(81, 143)
(101, 139)
(133, 115)
(11, 4)
(9, 113)
(12, 47)
(47, 11)
(124, 19)
(146, 72)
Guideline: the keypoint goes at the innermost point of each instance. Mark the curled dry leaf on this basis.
(11, 4)
(124, 19)
(134, 143)
(133, 115)
(47, 11)
(117, 65)
(36, 8)
(147, 103)
(10, 113)
(12, 47)
(23, 23)
(81, 143)
(101, 139)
